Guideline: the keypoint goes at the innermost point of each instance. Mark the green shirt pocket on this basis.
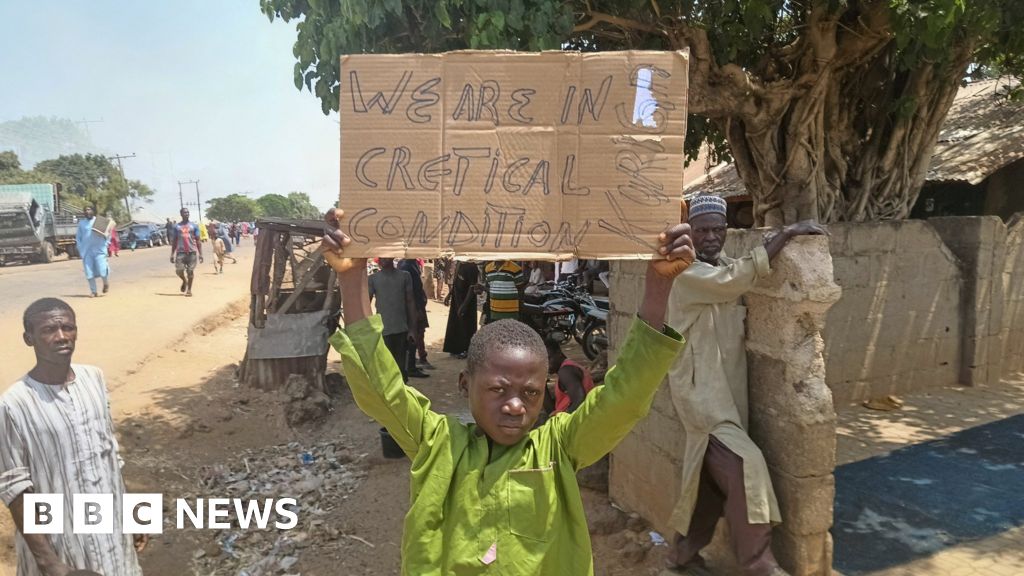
(531, 502)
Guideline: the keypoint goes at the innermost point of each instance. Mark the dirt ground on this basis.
(189, 430)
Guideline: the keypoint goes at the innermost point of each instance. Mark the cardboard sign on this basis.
(545, 155)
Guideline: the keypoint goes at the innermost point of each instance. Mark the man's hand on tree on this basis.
(805, 228)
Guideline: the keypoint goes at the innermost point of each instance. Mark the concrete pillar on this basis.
(979, 243)
(792, 417)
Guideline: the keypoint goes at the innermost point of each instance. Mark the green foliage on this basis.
(233, 208)
(9, 162)
(236, 207)
(327, 30)
(94, 179)
(11, 172)
(82, 175)
(274, 206)
(756, 35)
(301, 206)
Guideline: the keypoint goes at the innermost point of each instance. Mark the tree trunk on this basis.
(824, 156)
(844, 134)
(830, 127)
(839, 151)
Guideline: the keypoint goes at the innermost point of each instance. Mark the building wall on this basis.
(1013, 293)
(1002, 191)
(912, 315)
(896, 328)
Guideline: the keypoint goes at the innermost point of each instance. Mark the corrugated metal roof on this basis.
(722, 180)
(983, 132)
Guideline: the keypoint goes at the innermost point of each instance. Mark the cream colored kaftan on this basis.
(709, 379)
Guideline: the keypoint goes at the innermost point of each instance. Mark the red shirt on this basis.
(562, 400)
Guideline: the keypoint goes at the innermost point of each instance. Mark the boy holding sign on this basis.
(497, 495)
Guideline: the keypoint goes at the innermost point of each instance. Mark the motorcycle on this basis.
(554, 320)
(595, 333)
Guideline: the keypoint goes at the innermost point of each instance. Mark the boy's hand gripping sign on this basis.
(519, 155)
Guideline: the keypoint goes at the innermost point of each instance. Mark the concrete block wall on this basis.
(792, 416)
(1012, 348)
(897, 326)
(790, 406)
(643, 474)
(652, 454)
(979, 244)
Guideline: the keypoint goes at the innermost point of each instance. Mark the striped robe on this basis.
(60, 440)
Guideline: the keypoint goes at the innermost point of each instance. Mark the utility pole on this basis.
(127, 205)
(181, 198)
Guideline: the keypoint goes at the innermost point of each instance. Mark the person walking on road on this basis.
(113, 241)
(58, 438)
(222, 250)
(185, 249)
(92, 248)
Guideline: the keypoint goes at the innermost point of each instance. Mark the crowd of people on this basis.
(724, 472)
(97, 239)
(500, 489)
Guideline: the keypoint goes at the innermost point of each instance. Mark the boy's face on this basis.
(506, 393)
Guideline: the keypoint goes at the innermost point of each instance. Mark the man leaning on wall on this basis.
(723, 471)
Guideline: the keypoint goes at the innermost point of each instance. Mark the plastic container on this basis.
(389, 448)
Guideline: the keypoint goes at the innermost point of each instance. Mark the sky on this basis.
(197, 90)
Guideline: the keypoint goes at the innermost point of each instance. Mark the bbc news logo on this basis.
(144, 513)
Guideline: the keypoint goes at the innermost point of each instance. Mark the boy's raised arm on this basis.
(650, 348)
(371, 371)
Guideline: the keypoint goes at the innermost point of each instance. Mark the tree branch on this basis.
(873, 31)
(596, 18)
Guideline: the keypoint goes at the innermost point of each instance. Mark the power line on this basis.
(198, 204)
(120, 167)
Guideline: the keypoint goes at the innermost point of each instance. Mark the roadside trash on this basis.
(319, 477)
(657, 539)
(228, 544)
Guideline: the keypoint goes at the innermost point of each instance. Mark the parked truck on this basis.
(34, 225)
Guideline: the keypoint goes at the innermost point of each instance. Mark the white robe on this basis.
(709, 380)
(60, 440)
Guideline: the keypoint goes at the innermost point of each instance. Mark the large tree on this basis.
(302, 207)
(94, 179)
(274, 206)
(829, 108)
(233, 208)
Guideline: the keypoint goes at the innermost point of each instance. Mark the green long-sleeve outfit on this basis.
(512, 510)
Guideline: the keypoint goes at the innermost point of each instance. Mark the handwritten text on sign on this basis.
(529, 155)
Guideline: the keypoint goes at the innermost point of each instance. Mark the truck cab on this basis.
(30, 229)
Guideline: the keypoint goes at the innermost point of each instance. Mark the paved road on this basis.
(143, 313)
